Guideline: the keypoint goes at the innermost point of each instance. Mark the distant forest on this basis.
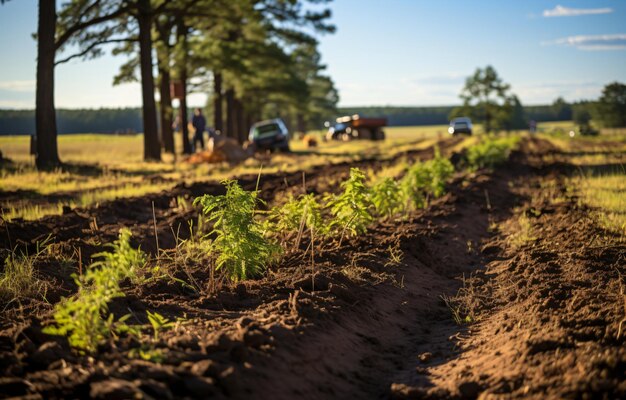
(128, 120)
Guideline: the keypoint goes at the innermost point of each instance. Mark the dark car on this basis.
(271, 134)
(460, 125)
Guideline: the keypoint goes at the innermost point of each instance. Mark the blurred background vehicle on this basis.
(357, 127)
(460, 125)
(271, 134)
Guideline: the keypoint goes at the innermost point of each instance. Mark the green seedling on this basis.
(159, 323)
(84, 318)
(351, 209)
(242, 249)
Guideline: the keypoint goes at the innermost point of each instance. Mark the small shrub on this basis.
(351, 209)
(386, 195)
(490, 152)
(243, 250)
(84, 318)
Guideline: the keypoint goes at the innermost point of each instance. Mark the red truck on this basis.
(357, 127)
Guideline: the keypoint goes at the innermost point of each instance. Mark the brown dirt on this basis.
(546, 313)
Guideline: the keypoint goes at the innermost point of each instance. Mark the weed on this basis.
(19, 278)
(455, 309)
(243, 250)
(395, 255)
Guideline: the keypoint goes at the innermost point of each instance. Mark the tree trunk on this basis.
(151, 145)
(240, 120)
(218, 102)
(163, 60)
(181, 32)
(167, 134)
(230, 114)
(45, 117)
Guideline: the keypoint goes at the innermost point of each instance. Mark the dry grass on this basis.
(606, 194)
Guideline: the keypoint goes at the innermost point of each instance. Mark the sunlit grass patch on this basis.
(31, 212)
(607, 194)
(125, 191)
(524, 233)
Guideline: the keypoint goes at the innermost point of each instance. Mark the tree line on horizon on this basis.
(128, 120)
(253, 57)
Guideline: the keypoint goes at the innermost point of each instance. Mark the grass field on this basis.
(105, 167)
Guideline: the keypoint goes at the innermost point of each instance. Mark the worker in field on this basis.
(199, 124)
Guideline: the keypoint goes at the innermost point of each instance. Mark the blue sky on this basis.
(388, 52)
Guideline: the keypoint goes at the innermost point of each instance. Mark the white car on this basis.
(460, 125)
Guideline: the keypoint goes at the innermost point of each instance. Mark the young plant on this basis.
(427, 179)
(490, 152)
(414, 184)
(297, 214)
(159, 323)
(84, 318)
(124, 259)
(386, 195)
(243, 250)
(441, 169)
(351, 209)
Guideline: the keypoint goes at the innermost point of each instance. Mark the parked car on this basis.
(460, 125)
(271, 134)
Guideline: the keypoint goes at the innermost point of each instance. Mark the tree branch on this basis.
(80, 26)
(91, 47)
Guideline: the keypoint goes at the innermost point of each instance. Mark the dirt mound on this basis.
(547, 311)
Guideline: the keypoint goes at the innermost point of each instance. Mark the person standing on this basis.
(199, 124)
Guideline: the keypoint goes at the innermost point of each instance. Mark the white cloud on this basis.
(593, 42)
(18, 86)
(545, 93)
(560, 11)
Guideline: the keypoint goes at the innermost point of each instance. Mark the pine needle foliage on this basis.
(242, 249)
(351, 209)
(302, 212)
(84, 318)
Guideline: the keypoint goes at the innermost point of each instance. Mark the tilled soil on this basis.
(357, 322)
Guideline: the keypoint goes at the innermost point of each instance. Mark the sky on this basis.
(387, 52)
